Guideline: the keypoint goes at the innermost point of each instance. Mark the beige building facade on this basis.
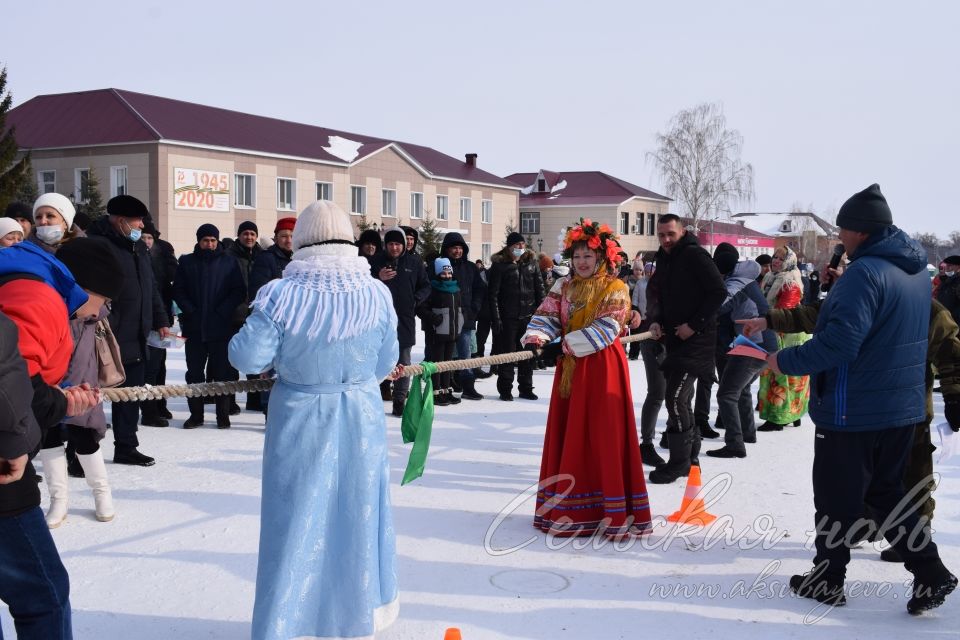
(192, 164)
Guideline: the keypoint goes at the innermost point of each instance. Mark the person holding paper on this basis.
(868, 356)
(734, 400)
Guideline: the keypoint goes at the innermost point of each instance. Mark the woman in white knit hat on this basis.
(10, 232)
(327, 546)
(53, 215)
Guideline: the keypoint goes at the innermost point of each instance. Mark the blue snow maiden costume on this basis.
(327, 544)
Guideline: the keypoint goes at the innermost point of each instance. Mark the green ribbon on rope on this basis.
(417, 424)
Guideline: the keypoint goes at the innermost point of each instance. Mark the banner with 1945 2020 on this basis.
(201, 190)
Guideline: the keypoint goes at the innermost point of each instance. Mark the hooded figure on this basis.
(406, 278)
(330, 331)
(473, 292)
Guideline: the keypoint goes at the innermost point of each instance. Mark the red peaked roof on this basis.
(112, 116)
(578, 188)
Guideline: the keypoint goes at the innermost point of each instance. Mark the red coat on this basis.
(41, 318)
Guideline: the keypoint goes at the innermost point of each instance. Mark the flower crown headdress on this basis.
(598, 237)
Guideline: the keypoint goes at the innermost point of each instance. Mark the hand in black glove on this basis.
(551, 351)
(951, 410)
(437, 319)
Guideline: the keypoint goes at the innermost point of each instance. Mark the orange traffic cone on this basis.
(692, 510)
(452, 633)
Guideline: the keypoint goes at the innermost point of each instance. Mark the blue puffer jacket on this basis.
(869, 347)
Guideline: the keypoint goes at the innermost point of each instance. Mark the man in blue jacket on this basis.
(208, 287)
(867, 358)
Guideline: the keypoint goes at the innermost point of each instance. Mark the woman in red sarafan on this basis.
(591, 475)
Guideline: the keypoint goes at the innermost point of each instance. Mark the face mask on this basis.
(517, 252)
(50, 235)
(134, 234)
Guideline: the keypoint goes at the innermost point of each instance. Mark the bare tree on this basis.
(698, 160)
(927, 240)
(954, 239)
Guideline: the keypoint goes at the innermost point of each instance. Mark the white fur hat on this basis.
(9, 225)
(326, 229)
(56, 201)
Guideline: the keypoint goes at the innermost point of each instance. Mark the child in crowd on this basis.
(442, 322)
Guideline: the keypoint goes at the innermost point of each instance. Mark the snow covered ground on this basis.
(179, 560)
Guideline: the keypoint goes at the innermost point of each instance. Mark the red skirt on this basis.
(591, 475)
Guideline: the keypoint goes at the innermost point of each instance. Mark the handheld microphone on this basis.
(838, 252)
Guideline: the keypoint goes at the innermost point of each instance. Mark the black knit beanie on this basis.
(395, 234)
(93, 265)
(514, 238)
(19, 210)
(764, 259)
(207, 230)
(866, 211)
(726, 257)
(247, 225)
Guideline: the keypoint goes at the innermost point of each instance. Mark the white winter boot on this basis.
(55, 475)
(96, 475)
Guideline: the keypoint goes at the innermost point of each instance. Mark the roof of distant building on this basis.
(573, 188)
(726, 228)
(788, 224)
(115, 116)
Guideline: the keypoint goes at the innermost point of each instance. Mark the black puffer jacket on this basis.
(267, 266)
(515, 289)
(164, 271)
(138, 308)
(473, 290)
(687, 288)
(245, 257)
(949, 296)
(208, 288)
(409, 288)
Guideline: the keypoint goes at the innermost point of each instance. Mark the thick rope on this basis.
(135, 394)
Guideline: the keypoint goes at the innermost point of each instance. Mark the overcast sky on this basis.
(829, 96)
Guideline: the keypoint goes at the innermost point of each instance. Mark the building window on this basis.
(388, 203)
(486, 252)
(325, 191)
(442, 207)
(530, 223)
(486, 211)
(624, 223)
(47, 181)
(466, 209)
(651, 224)
(541, 184)
(118, 181)
(416, 205)
(638, 226)
(243, 190)
(358, 200)
(286, 194)
(81, 180)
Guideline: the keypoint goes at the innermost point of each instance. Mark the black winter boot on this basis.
(814, 585)
(679, 464)
(932, 583)
(470, 391)
(706, 431)
(398, 403)
(441, 398)
(649, 455)
(385, 394)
